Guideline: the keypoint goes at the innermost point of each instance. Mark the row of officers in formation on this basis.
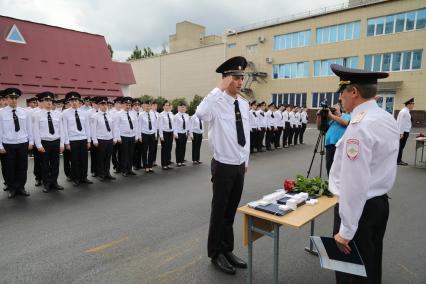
(124, 132)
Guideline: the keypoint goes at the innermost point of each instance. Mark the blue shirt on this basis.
(336, 130)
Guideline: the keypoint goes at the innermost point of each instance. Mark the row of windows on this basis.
(322, 67)
(292, 40)
(395, 61)
(397, 23)
(291, 70)
(335, 33)
(326, 97)
(295, 99)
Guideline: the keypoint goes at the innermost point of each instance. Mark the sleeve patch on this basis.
(352, 149)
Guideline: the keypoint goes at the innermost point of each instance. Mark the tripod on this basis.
(320, 145)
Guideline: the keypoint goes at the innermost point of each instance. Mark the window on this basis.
(322, 67)
(274, 98)
(292, 40)
(291, 70)
(314, 100)
(232, 45)
(291, 100)
(15, 35)
(252, 48)
(396, 61)
(298, 99)
(397, 23)
(336, 33)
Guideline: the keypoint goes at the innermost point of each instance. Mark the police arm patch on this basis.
(352, 149)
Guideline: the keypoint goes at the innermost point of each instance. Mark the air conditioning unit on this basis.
(261, 39)
(268, 59)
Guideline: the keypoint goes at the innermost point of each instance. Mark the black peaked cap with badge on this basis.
(101, 100)
(127, 100)
(72, 96)
(233, 66)
(12, 92)
(45, 96)
(350, 76)
(410, 101)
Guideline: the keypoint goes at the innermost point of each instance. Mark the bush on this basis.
(176, 102)
(160, 101)
(193, 105)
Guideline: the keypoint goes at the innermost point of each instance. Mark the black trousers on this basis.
(290, 135)
(228, 183)
(196, 146)
(368, 238)
(253, 139)
(16, 166)
(277, 137)
(302, 132)
(286, 133)
(67, 162)
(93, 157)
(79, 159)
(269, 138)
(402, 143)
(37, 164)
(296, 130)
(166, 148)
(50, 162)
(103, 161)
(3, 168)
(137, 155)
(180, 147)
(148, 150)
(260, 137)
(127, 148)
(156, 147)
(116, 157)
(329, 156)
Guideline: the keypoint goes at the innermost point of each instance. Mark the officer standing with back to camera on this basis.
(16, 139)
(228, 116)
(363, 171)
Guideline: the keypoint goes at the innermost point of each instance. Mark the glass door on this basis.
(386, 102)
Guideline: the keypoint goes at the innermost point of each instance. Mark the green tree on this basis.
(194, 103)
(176, 102)
(146, 98)
(137, 54)
(147, 52)
(160, 101)
(111, 52)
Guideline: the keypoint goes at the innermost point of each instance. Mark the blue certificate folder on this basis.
(332, 258)
(271, 209)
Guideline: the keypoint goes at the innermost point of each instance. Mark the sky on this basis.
(127, 23)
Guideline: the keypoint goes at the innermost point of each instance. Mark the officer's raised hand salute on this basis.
(229, 137)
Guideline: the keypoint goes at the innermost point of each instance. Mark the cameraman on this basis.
(337, 122)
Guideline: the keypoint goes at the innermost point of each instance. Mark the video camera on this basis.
(324, 115)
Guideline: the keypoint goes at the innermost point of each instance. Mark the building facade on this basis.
(293, 55)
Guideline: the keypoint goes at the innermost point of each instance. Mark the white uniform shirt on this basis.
(99, 129)
(270, 119)
(304, 117)
(144, 118)
(195, 125)
(8, 134)
(364, 165)
(404, 120)
(218, 110)
(163, 122)
(278, 118)
(178, 123)
(292, 119)
(262, 118)
(70, 125)
(254, 120)
(41, 127)
(297, 119)
(122, 125)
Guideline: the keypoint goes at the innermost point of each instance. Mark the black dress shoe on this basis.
(46, 188)
(11, 195)
(38, 182)
(402, 163)
(76, 182)
(23, 192)
(5, 188)
(170, 168)
(155, 165)
(57, 186)
(165, 168)
(86, 181)
(69, 178)
(124, 174)
(117, 171)
(235, 260)
(179, 165)
(151, 171)
(110, 177)
(132, 173)
(223, 265)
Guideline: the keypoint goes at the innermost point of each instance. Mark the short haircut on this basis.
(166, 102)
(367, 91)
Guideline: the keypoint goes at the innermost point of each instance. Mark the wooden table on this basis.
(257, 224)
(420, 143)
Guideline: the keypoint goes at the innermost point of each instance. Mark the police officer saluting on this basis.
(15, 140)
(49, 140)
(228, 116)
(363, 171)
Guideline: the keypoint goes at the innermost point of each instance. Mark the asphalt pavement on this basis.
(152, 228)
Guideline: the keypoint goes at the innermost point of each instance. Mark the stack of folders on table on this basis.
(332, 258)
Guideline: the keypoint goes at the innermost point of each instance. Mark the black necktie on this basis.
(272, 115)
(149, 122)
(201, 125)
(50, 123)
(130, 121)
(306, 117)
(262, 114)
(107, 123)
(254, 114)
(239, 123)
(77, 120)
(183, 122)
(15, 120)
(170, 122)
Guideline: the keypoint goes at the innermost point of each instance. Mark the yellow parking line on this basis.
(106, 246)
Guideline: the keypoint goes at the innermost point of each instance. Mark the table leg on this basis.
(250, 249)
(276, 251)
(415, 155)
(310, 249)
